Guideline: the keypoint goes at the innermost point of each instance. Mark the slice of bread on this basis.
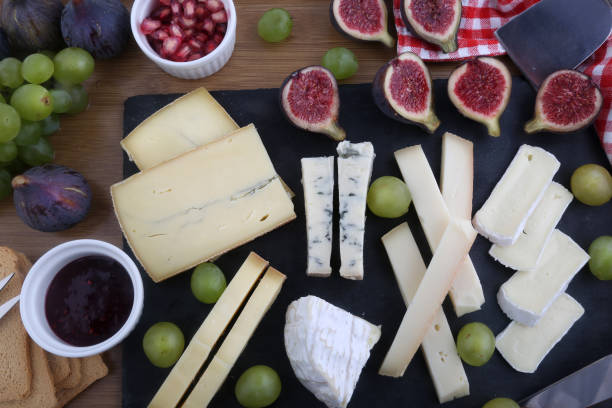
(75, 374)
(15, 369)
(92, 369)
(60, 367)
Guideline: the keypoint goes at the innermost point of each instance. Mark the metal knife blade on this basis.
(587, 386)
(555, 34)
(6, 280)
(8, 305)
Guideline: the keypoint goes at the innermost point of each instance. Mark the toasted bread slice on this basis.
(60, 367)
(75, 375)
(92, 369)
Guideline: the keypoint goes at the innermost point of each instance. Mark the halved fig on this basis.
(402, 90)
(480, 89)
(310, 100)
(364, 20)
(567, 100)
(435, 21)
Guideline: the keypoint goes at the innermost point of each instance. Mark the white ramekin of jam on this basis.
(81, 298)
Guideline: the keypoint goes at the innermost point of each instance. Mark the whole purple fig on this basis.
(51, 198)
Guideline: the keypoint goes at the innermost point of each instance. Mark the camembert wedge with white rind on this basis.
(445, 367)
(193, 358)
(503, 216)
(525, 347)
(454, 247)
(202, 204)
(526, 296)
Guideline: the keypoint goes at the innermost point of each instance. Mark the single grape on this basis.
(29, 134)
(50, 125)
(163, 344)
(258, 387)
(8, 151)
(37, 68)
(275, 25)
(389, 197)
(73, 66)
(10, 123)
(341, 62)
(600, 263)
(207, 282)
(32, 102)
(10, 73)
(37, 154)
(475, 344)
(501, 403)
(2, 99)
(5, 184)
(78, 97)
(62, 101)
(592, 184)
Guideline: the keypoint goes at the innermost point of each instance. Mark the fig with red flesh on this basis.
(364, 20)
(480, 89)
(435, 21)
(310, 100)
(567, 101)
(402, 90)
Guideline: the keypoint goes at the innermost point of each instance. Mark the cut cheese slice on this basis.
(526, 252)
(215, 374)
(445, 367)
(503, 216)
(318, 181)
(526, 296)
(190, 121)
(457, 175)
(201, 204)
(196, 353)
(454, 247)
(466, 291)
(525, 347)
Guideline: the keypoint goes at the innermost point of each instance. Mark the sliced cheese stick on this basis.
(454, 247)
(526, 252)
(457, 175)
(466, 291)
(445, 367)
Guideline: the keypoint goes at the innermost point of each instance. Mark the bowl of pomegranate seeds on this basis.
(186, 38)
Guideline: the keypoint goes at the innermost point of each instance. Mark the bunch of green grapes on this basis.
(33, 93)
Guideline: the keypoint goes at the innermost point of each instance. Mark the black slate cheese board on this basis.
(377, 298)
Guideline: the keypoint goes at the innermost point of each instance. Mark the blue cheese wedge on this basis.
(318, 182)
(355, 161)
(327, 348)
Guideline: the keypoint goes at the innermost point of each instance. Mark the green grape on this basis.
(341, 62)
(10, 123)
(475, 344)
(501, 403)
(37, 154)
(207, 282)
(62, 101)
(37, 68)
(32, 102)
(8, 151)
(78, 97)
(258, 387)
(275, 25)
(73, 66)
(389, 197)
(10, 73)
(2, 100)
(592, 184)
(163, 344)
(29, 134)
(600, 263)
(50, 125)
(5, 184)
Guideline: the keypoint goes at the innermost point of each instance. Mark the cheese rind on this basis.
(525, 347)
(503, 216)
(457, 175)
(526, 296)
(439, 350)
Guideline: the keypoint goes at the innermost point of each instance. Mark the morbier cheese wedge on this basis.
(526, 296)
(466, 291)
(355, 163)
(525, 347)
(193, 358)
(503, 216)
(439, 350)
(318, 181)
(201, 204)
(327, 348)
(526, 252)
(457, 175)
(234, 344)
(190, 121)
(454, 247)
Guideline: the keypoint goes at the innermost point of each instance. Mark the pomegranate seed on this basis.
(165, 13)
(219, 17)
(195, 44)
(176, 31)
(165, 2)
(189, 8)
(210, 46)
(218, 38)
(194, 56)
(201, 37)
(156, 13)
(201, 12)
(186, 22)
(149, 25)
(181, 1)
(188, 33)
(183, 52)
(208, 26)
(160, 34)
(214, 5)
(175, 7)
(221, 28)
(170, 46)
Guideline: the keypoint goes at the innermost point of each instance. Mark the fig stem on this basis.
(493, 128)
(19, 181)
(533, 126)
(449, 46)
(386, 39)
(335, 132)
(432, 122)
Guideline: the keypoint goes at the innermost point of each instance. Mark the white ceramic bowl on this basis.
(34, 290)
(200, 68)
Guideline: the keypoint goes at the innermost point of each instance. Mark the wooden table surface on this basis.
(89, 142)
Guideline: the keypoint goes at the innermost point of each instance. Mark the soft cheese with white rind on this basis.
(444, 364)
(457, 175)
(525, 347)
(526, 296)
(526, 252)
(318, 182)
(355, 161)
(503, 216)
(327, 348)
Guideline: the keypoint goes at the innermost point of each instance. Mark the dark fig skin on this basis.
(414, 31)
(32, 25)
(334, 22)
(51, 198)
(5, 47)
